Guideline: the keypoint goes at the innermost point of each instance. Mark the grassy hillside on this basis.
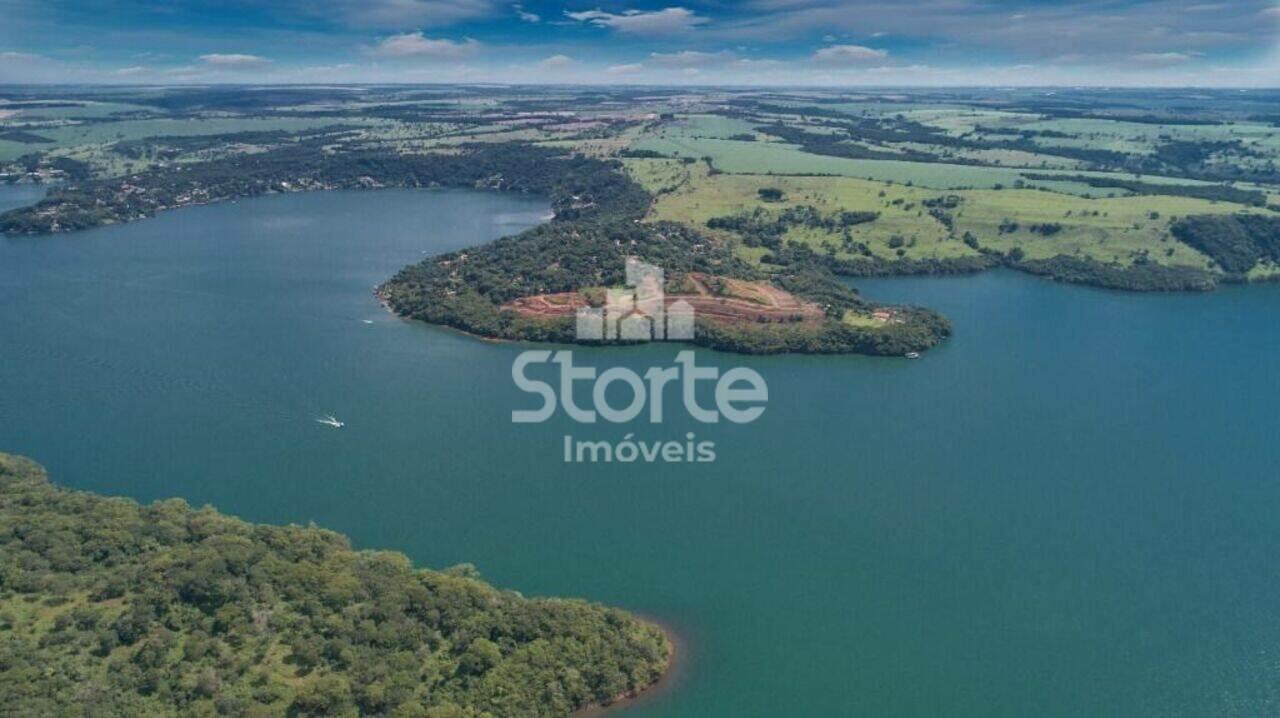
(917, 223)
(109, 608)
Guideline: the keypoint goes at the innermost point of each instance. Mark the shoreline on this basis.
(663, 685)
(386, 306)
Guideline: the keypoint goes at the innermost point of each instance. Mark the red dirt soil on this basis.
(753, 302)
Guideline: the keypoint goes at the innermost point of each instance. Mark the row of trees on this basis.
(1215, 192)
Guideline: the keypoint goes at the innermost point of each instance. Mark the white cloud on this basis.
(233, 60)
(16, 57)
(326, 71)
(134, 70)
(628, 69)
(964, 31)
(690, 58)
(525, 14)
(748, 64)
(668, 21)
(1164, 58)
(1271, 12)
(415, 44)
(556, 62)
(849, 54)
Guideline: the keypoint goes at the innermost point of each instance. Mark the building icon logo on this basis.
(637, 313)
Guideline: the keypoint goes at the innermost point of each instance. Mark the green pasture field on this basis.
(107, 132)
(707, 126)
(1142, 138)
(998, 157)
(785, 159)
(1106, 229)
(701, 196)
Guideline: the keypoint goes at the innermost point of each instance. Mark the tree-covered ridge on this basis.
(1138, 277)
(109, 608)
(578, 186)
(1236, 242)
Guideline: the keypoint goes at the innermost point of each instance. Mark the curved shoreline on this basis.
(712, 346)
(665, 683)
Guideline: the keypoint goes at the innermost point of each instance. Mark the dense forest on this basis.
(1137, 277)
(1236, 242)
(113, 609)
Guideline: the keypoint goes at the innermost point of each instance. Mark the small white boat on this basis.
(367, 321)
(330, 420)
(913, 355)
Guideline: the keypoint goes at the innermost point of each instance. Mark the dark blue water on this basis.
(1069, 509)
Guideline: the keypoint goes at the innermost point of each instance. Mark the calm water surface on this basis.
(1070, 509)
(13, 196)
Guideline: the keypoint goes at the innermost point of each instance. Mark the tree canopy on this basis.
(110, 608)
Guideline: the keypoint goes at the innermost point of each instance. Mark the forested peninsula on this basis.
(597, 226)
(113, 609)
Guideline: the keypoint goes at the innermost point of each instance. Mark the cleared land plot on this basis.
(722, 299)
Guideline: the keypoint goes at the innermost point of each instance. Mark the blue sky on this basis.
(782, 42)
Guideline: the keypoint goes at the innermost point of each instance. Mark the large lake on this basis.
(1072, 508)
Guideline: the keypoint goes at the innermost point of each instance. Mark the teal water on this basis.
(13, 196)
(1069, 509)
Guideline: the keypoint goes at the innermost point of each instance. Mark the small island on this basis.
(169, 610)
